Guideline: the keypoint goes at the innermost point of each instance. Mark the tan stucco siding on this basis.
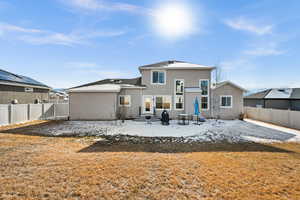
(93, 106)
(136, 102)
(237, 102)
(191, 79)
(6, 97)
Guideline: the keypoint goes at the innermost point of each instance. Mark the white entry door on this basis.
(148, 104)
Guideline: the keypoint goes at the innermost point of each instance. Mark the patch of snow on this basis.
(233, 131)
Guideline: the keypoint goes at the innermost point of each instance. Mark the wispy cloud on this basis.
(96, 5)
(244, 24)
(42, 37)
(12, 28)
(265, 49)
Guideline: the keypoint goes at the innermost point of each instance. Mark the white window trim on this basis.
(165, 74)
(143, 104)
(178, 79)
(125, 97)
(170, 96)
(208, 93)
(221, 101)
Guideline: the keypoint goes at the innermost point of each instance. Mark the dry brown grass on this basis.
(33, 167)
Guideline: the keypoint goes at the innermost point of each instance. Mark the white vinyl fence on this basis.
(287, 118)
(19, 113)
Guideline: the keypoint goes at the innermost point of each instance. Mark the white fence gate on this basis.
(287, 118)
(19, 113)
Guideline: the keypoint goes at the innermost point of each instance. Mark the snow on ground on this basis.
(209, 131)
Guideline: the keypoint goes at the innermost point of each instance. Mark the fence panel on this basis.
(295, 119)
(35, 111)
(4, 114)
(19, 113)
(62, 110)
(48, 109)
(286, 118)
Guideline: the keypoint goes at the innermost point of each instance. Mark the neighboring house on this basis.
(21, 89)
(282, 98)
(58, 96)
(170, 85)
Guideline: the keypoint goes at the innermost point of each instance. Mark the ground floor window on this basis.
(179, 102)
(163, 102)
(124, 100)
(226, 101)
(204, 102)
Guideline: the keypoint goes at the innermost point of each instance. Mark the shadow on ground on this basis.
(30, 128)
(171, 147)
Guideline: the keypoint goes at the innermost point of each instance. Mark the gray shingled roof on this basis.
(9, 77)
(133, 81)
(161, 64)
(258, 95)
(175, 64)
(276, 93)
(295, 93)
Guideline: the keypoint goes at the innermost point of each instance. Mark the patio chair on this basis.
(148, 119)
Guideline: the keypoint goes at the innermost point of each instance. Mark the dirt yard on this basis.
(35, 167)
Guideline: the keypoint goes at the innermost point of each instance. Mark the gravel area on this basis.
(233, 131)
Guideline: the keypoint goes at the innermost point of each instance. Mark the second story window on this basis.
(204, 86)
(158, 77)
(179, 86)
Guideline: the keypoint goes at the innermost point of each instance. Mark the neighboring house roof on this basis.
(295, 94)
(9, 78)
(218, 85)
(137, 82)
(276, 93)
(174, 64)
(284, 93)
(258, 95)
(97, 88)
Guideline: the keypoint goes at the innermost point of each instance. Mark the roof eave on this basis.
(24, 85)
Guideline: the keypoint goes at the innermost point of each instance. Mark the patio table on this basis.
(183, 119)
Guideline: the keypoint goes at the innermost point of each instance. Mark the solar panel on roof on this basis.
(7, 76)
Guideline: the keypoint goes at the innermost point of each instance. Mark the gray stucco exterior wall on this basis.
(8, 93)
(136, 102)
(93, 106)
(237, 102)
(191, 78)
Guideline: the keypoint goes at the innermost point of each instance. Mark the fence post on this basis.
(9, 114)
(28, 112)
(54, 110)
(43, 112)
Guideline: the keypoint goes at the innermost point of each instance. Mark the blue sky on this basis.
(64, 43)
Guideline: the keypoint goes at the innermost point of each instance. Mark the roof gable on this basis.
(221, 84)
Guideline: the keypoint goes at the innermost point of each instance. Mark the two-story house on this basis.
(171, 85)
